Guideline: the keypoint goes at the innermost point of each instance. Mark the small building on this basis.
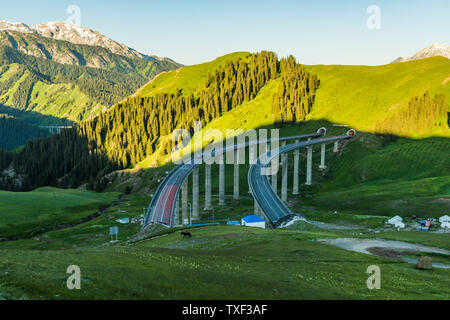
(445, 225)
(394, 220)
(399, 225)
(253, 221)
(123, 221)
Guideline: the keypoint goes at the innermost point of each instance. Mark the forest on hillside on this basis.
(103, 86)
(296, 93)
(131, 131)
(20, 73)
(423, 114)
(15, 132)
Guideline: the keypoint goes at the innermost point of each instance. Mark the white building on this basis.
(445, 225)
(253, 221)
(399, 225)
(395, 220)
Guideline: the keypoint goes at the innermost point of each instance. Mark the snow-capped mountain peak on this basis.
(73, 33)
(15, 26)
(434, 50)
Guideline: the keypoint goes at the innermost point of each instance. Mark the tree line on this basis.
(15, 132)
(296, 93)
(421, 116)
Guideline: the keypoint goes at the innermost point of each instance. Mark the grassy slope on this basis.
(355, 95)
(6, 98)
(189, 78)
(60, 100)
(406, 177)
(217, 263)
(360, 96)
(7, 71)
(22, 214)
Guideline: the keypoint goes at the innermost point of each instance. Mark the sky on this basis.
(349, 32)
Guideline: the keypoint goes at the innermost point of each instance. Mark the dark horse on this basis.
(186, 234)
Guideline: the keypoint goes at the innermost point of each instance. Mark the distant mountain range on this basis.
(59, 71)
(36, 40)
(432, 51)
(77, 35)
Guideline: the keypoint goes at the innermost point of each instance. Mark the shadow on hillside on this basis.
(367, 158)
(35, 118)
(64, 160)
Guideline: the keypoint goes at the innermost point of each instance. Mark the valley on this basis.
(63, 192)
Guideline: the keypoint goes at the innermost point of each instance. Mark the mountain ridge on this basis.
(34, 88)
(76, 34)
(43, 78)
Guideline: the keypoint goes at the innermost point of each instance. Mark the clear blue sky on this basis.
(315, 32)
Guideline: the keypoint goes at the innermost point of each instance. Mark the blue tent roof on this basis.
(234, 223)
(253, 218)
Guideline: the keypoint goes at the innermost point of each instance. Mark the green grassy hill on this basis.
(220, 262)
(374, 177)
(357, 96)
(27, 214)
(360, 96)
(189, 79)
(377, 176)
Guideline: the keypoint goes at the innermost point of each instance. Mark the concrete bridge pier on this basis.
(295, 189)
(256, 208)
(284, 177)
(252, 156)
(176, 218)
(336, 147)
(309, 165)
(184, 202)
(322, 157)
(274, 177)
(236, 176)
(221, 184)
(208, 204)
(195, 194)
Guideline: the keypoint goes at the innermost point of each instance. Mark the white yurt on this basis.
(394, 220)
(399, 225)
(445, 225)
(444, 219)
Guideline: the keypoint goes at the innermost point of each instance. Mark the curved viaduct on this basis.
(163, 208)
